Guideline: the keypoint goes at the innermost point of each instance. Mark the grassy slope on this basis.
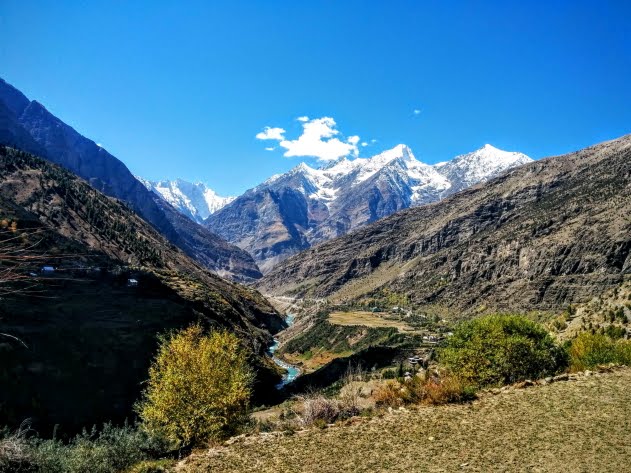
(568, 426)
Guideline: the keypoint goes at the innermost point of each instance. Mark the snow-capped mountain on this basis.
(328, 183)
(479, 166)
(292, 211)
(196, 201)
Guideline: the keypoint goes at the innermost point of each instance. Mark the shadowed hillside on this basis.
(85, 333)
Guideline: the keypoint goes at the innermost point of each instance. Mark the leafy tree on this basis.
(199, 387)
(500, 349)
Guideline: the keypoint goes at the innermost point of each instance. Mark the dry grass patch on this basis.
(368, 319)
(316, 360)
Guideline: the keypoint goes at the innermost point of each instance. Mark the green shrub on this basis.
(588, 350)
(559, 323)
(615, 332)
(389, 373)
(501, 349)
(111, 450)
(198, 389)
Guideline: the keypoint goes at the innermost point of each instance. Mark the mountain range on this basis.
(291, 212)
(29, 126)
(549, 233)
(239, 237)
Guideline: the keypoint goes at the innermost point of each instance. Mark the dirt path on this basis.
(573, 426)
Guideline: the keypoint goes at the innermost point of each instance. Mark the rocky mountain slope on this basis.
(546, 234)
(196, 201)
(305, 206)
(27, 125)
(85, 336)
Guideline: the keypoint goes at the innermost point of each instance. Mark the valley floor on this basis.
(580, 425)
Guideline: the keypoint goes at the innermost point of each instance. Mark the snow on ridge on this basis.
(195, 200)
(326, 184)
(481, 165)
(333, 179)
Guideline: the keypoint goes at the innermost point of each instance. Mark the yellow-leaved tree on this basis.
(199, 387)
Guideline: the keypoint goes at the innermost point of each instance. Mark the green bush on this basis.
(111, 450)
(389, 374)
(198, 389)
(615, 332)
(501, 349)
(588, 350)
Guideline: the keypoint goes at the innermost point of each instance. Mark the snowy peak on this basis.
(490, 155)
(335, 183)
(195, 200)
(399, 151)
(480, 166)
(399, 166)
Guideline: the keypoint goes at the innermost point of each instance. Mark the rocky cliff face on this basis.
(306, 206)
(87, 337)
(28, 125)
(546, 234)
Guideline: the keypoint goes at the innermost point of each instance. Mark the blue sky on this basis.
(181, 89)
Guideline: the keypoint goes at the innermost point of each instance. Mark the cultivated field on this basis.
(368, 319)
(570, 426)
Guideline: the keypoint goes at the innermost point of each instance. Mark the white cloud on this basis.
(319, 140)
(416, 111)
(373, 141)
(271, 148)
(270, 133)
(303, 119)
(364, 144)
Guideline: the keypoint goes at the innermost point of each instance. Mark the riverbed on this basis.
(292, 372)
